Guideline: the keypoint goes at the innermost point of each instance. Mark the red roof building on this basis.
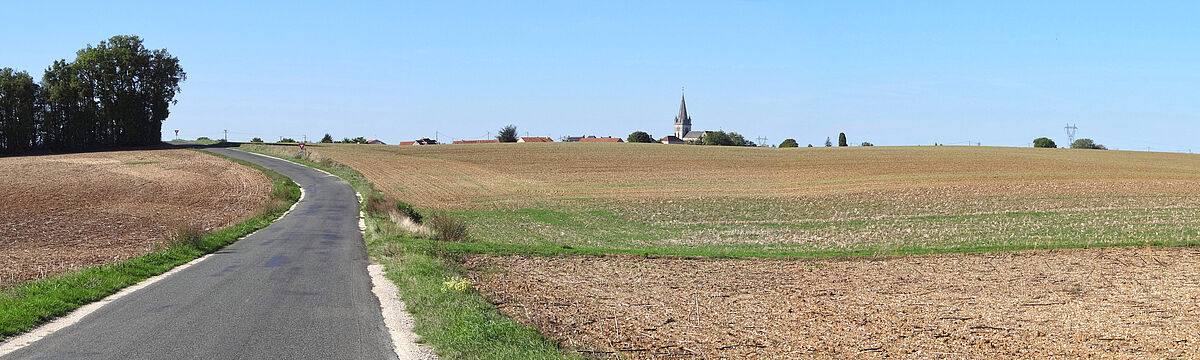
(492, 141)
(534, 139)
(603, 139)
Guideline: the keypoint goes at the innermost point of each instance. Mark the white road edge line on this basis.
(23, 340)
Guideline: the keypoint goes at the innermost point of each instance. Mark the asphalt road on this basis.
(297, 289)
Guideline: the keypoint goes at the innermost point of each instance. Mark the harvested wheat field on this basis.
(685, 208)
(65, 212)
(1083, 303)
(859, 199)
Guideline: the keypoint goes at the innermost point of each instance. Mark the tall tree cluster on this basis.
(116, 94)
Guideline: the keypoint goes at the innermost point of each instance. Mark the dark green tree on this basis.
(719, 138)
(790, 143)
(287, 140)
(1087, 144)
(507, 134)
(256, 140)
(867, 144)
(328, 139)
(133, 87)
(640, 137)
(1044, 142)
(18, 111)
(842, 139)
(738, 140)
(359, 140)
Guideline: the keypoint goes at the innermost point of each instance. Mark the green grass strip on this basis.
(748, 251)
(457, 324)
(26, 306)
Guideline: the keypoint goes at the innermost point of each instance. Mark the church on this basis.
(683, 127)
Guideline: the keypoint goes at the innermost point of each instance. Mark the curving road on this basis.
(297, 289)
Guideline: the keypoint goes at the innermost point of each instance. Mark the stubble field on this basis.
(64, 212)
(684, 208)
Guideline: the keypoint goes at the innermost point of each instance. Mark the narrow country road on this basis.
(297, 289)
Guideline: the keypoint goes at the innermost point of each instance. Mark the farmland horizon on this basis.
(995, 74)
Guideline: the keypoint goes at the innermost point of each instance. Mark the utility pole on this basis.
(226, 139)
(437, 137)
(762, 141)
(1071, 133)
(305, 138)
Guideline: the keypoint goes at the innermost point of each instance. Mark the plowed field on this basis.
(1099, 303)
(63, 212)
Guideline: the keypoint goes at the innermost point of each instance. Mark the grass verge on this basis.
(26, 306)
(455, 320)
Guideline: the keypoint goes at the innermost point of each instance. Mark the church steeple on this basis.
(683, 122)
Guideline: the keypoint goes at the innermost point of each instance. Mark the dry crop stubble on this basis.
(1128, 302)
(64, 212)
(635, 195)
(1074, 303)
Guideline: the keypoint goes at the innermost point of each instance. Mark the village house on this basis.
(603, 139)
(375, 142)
(490, 141)
(534, 139)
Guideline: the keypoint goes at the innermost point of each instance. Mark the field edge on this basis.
(25, 307)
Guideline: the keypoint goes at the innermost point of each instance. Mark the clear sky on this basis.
(890, 72)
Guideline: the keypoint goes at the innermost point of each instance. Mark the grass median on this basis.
(26, 306)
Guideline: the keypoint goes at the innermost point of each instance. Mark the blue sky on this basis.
(892, 73)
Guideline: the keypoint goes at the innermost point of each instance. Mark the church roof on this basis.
(695, 134)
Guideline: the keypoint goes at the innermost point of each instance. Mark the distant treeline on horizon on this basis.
(113, 95)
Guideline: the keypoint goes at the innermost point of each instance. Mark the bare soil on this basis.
(65, 212)
(1084, 303)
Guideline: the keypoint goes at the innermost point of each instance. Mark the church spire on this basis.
(683, 122)
(683, 116)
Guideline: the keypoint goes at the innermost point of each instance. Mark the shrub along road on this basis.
(297, 289)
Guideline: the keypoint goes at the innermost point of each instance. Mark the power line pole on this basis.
(226, 139)
(1071, 133)
(762, 141)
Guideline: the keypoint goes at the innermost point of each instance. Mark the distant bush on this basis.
(287, 140)
(842, 139)
(640, 137)
(447, 228)
(328, 139)
(790, 143)
(507, 134)
(867, 144)
(256, 140)
(1044, 142)
(1087, 144)
(408, 211)
(719, 138)
(203, 138)
(810, 145)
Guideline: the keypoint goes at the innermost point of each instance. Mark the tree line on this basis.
(116, 94)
